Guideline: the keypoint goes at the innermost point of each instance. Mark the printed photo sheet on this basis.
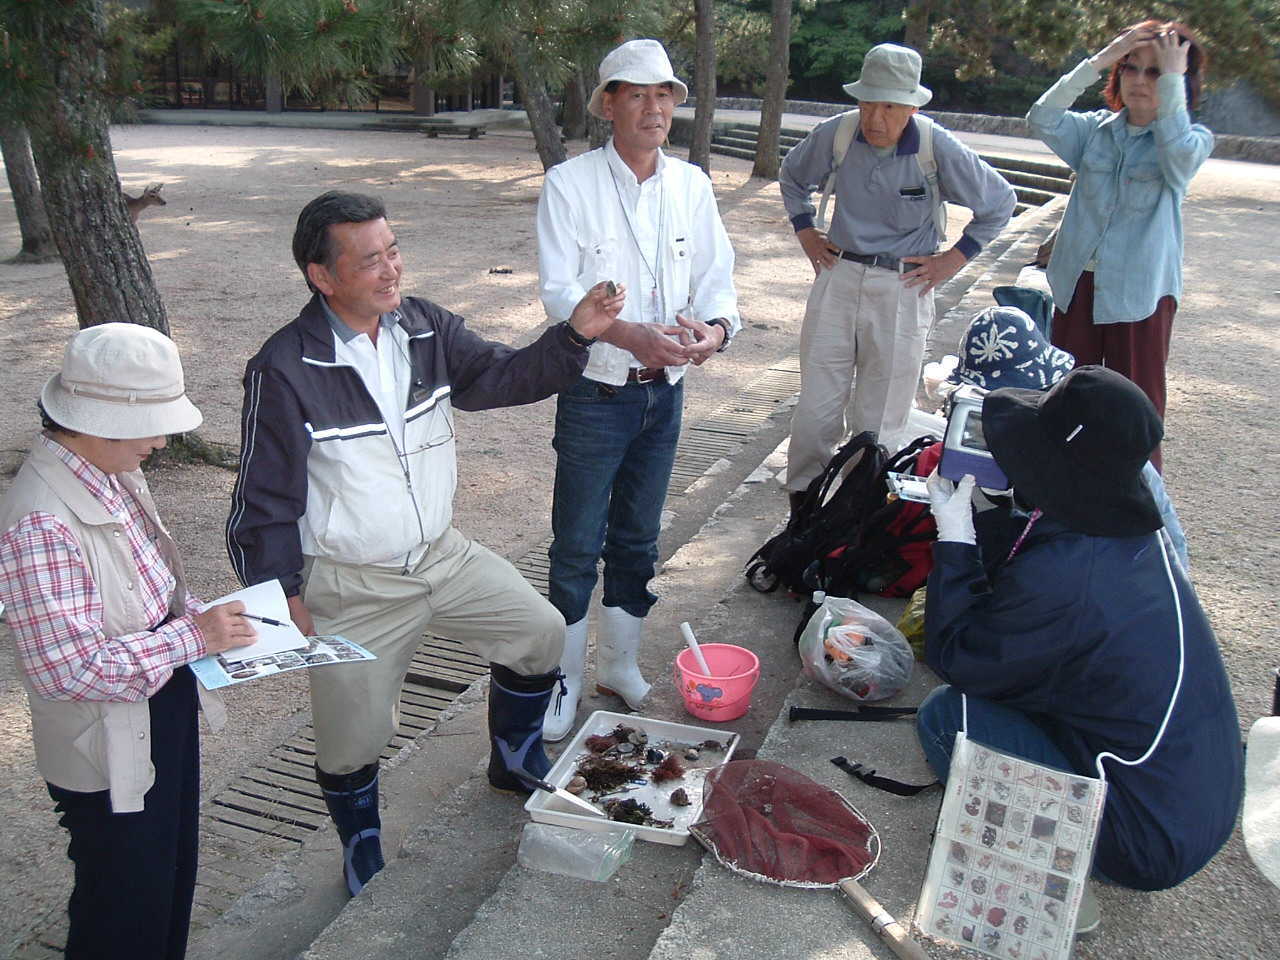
(1013, 849)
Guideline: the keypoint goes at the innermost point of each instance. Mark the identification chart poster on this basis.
(1013, 848)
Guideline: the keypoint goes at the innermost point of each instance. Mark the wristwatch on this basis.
(576, 337)
(724, 325)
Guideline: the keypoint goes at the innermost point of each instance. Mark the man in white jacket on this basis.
(629, 214)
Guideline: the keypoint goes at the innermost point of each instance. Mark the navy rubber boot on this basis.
(352, 799)
(517, 705)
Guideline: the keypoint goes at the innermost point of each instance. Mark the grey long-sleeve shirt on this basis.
(882, 205)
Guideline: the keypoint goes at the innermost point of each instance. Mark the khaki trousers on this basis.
(459, 590)
(861, 347)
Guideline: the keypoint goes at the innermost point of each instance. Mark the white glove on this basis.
(952, 508)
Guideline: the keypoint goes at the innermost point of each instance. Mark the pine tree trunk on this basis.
(33, 223)
(917, 30)
(274, 95)
(775, 92)
(106, 266)
(704, 83)
(538, 105)
(598, 131)
(574, 121)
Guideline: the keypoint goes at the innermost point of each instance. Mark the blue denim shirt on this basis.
(1125, 210)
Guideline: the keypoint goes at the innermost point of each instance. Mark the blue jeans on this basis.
(614, 450)
(1002, 728)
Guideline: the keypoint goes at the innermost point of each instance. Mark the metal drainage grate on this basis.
(275, 807)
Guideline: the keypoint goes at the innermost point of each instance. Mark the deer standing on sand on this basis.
(149, 197)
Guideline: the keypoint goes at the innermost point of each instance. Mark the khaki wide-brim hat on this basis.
(642, 62)
(120, 381)
(890, 74)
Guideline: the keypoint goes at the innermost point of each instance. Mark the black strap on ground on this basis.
(862, 713)
(868, 776)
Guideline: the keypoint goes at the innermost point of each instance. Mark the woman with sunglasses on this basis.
(1116, 269)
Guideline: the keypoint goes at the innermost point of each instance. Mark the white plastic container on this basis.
(656, 795)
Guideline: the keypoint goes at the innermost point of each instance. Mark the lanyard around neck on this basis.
(655, 271)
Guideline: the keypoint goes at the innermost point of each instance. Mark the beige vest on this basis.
(90, 745)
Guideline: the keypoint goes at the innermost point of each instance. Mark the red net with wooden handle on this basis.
(765, 819)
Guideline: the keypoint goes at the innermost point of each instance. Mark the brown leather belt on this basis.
(646, 374)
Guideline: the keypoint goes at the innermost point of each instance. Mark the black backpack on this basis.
(824, 520)
(890, 553)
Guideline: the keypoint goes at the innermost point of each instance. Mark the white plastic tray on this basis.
(656, 795)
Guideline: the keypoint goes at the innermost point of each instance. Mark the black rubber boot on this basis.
(352, 799)
(517, 705)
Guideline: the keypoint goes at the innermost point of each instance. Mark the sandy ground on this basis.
(220, 255)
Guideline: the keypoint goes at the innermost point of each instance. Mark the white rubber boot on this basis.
(563, 708)
(617, 643)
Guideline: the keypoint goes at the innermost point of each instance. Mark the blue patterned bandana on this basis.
(1004, 348)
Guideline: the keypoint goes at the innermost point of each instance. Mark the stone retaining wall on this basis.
(1226, 146)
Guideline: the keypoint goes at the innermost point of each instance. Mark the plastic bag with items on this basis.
(855, 651)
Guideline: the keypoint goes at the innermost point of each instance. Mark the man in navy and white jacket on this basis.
(346, 496)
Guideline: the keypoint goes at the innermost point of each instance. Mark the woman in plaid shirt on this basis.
(104, 628)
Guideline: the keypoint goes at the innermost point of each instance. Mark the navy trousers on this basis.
(135, 873)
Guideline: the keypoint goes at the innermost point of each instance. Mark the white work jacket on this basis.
(585, 237)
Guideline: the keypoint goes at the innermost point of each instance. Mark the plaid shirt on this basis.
(55, 610)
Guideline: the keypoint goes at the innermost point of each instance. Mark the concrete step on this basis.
(748, 138)
(738, 142)
(1030, 195)
(740, 152)
(1000, 263)
(1044, 168)
(1036, 181)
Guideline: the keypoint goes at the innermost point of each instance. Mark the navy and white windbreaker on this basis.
(321, 475)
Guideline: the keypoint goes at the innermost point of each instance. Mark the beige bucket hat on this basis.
(120, 381)
(890, 74)
(641, 62)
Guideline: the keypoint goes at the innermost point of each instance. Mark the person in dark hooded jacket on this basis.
(1086, 648)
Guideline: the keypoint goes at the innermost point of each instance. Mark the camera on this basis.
(964, 446)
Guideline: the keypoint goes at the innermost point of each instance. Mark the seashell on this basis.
(691, 754)
(576, 785)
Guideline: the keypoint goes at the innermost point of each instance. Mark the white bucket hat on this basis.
(120, 381)
(641, 62)
(890, 74)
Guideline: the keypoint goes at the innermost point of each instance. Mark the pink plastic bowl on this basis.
(724, 694)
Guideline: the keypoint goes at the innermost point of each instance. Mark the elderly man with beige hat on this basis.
(871, 304)
(630, 214)
(105, 628)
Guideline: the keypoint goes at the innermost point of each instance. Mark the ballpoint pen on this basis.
(254, 616)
